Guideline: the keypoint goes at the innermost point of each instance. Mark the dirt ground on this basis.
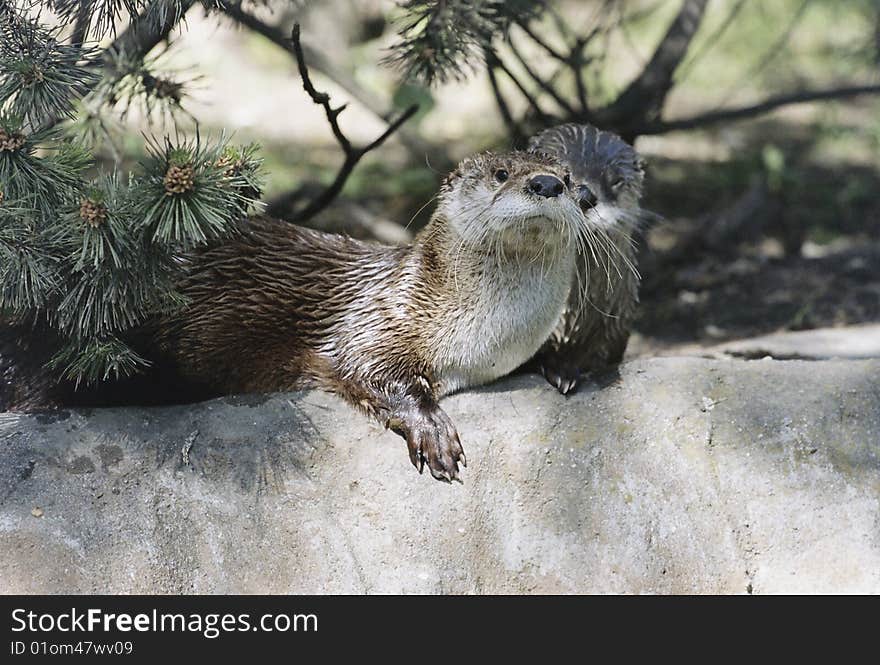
(735, 257)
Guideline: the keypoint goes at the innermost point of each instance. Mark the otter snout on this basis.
(546, 185)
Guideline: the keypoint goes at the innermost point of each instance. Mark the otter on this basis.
(527, 258)
(607, 175)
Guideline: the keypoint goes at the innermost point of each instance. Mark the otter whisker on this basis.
(418, 212)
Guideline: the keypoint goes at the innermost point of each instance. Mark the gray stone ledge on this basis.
(687, 475)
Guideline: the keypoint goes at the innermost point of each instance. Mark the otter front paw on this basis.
(562, 376)
(431, 437)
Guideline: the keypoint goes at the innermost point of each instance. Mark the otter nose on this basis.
(546, 185)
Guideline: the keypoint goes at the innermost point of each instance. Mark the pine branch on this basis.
(194, 193)
(97, 227)
(150, 27)
(97, 359)
(95, 260)
(29, 262)
(41, 179)
(135, 80)
(95, 17)
(439, 41)
(40, 77)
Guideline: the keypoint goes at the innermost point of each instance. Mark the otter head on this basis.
(510, 201)
(606, 173)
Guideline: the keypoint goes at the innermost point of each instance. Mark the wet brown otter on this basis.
(527, 253)
(390, 329)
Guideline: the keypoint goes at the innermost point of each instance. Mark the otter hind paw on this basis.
(564, 378)
(433, 440)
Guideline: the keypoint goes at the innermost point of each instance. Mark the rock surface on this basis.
(686, 475)
(852, 342)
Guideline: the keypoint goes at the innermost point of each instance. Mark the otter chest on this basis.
(500, 323)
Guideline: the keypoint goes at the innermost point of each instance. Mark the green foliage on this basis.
(96, 360)
(192, 194)
(101, 16)
(439, 41)
(408, 94)
(773, 161)
(40, 76)
(29, 262)
(44, 180)
(133, 80)
(97, 256)
(102, 237)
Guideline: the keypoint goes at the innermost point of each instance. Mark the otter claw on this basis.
(564, 379)
(432, 439)
(441, 475)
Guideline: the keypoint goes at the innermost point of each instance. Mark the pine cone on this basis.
(179, 179)
(227, 164)
(230, 166)
(2, 196)
(92, 212)
(33, 75)
(10, 142)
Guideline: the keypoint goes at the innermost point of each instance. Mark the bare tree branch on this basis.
(770, 54)
(574, 60)
(688, 66)
(352, 154)
(544, 85)
(645, 95)
(415, 144)
(533, 103)
(514, 131)
(552, 52)
(81, 26)
(769, 104)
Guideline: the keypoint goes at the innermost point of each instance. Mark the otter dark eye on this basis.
(586, 197)
(501, 175)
